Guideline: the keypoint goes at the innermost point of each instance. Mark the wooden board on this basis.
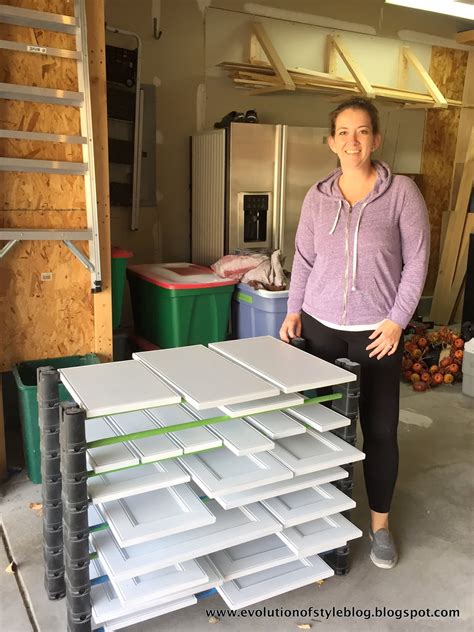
(281, 364)
(447, 69)
(205, 379)
(57, 317)
(118, 387)
(237, 499)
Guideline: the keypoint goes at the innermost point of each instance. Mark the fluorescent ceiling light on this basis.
(455, 8)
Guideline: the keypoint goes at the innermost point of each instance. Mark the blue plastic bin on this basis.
(257, 312)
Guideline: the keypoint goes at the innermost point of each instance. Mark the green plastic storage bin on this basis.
(120, 259)
(179, 304)
(25, 378)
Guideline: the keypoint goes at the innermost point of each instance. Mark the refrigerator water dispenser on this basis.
(255, 219)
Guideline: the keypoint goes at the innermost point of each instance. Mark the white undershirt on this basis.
(350, 327)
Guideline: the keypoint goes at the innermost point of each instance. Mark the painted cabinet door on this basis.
(252, 557)
(281, 364)
(276, 424)
(231, 527)
(251, 589)
(262, 405)
(222, 472)
(308, 504)
(319, 535)
(283, 487)
(192, 439)
(151, 448)
(319, 417)
(155, 514)
(205, 379)
(116, 387)
(136, 480)
(315, 451)
(159, 584)
(108, 457)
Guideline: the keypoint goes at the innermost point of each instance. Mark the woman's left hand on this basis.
(385, 339)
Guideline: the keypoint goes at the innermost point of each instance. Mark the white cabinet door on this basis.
(252, 557)
(148, 613)
(230, 528)
(319, 535)
(152, 448)
(159, 584)
(276, 424)
(308, 504)
(281, 364)
(262, 405)
(192, 439)
(108, 457)
(237, 435)
(136, 480)
(250, 589)
(107, 607)
(315, 451)
(319, 417)
(283, 487)
(222, 472)
(116, 387)
(155, 514)
(204, 378)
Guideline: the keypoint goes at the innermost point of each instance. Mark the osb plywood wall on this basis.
(448, 69)
(42, 318)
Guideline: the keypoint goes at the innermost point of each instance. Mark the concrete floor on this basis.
(431, 520)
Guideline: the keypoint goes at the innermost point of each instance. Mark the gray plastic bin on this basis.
(257, 312)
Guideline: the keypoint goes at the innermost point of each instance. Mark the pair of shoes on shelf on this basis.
(237, 117)
(383, 552)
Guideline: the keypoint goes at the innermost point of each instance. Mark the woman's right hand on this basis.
(291, 327)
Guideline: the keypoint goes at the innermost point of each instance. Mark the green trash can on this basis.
(25, 378)
(179, 304)
(120, 259)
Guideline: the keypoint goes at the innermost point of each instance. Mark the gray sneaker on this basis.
(383, 552)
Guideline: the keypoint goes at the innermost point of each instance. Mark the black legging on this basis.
(378, 403)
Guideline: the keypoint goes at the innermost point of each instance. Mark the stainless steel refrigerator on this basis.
(248, 184)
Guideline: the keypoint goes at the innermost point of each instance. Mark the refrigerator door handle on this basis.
(282, 190)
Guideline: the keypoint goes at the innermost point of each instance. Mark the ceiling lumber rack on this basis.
(273, 76)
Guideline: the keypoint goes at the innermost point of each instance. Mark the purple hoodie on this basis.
(359, 265)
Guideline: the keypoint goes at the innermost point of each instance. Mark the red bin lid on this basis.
(121, 253)
(178, 276)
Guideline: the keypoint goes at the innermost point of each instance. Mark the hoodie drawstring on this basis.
(356, 243)
(337, 218)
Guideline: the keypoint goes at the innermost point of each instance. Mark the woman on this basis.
(362, 248)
